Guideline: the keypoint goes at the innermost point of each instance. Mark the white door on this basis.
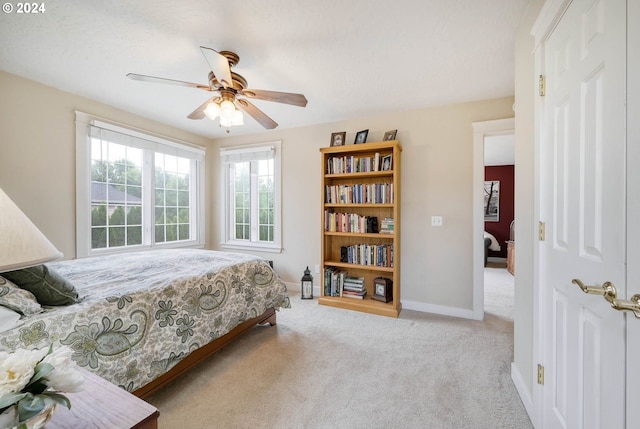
(633, 209)
(582, 177)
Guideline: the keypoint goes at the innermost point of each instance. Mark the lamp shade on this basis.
(21, 242)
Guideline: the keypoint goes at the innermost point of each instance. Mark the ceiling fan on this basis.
(232, 92)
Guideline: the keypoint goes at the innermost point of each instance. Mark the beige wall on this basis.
(436, 180)
(37, 149)
(525, 206)
(37, 152)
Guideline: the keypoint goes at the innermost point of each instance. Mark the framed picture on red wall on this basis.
(492, 201)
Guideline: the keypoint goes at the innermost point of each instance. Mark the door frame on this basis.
(548, 18)
(633, 204)
(480, 131)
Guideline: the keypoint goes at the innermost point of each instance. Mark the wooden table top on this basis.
(102, 405)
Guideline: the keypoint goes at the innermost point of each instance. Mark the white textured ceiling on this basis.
(350, 58)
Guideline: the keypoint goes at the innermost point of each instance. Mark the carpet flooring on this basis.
(322, 367)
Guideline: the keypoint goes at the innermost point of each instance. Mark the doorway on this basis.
(481, 132)
(499, 243)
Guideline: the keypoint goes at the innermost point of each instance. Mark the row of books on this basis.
(358, 164)
(387, 226)
(379, 255)
(369, 193)
(348, 222)
(339, 283)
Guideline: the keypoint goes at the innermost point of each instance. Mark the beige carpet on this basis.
(322, 367)
(498, 291)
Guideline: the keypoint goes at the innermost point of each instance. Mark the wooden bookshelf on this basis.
(342, 188)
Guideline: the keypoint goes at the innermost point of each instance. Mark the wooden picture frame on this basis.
(387, 163)
(338, 139)
(492, 201)
(361, 137)
(389, 135)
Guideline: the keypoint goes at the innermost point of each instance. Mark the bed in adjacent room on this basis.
(141, 319)
(490, 243)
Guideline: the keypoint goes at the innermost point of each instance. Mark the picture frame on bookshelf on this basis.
(386, 162)
(338, 139)
(361, 137)
(389, 135)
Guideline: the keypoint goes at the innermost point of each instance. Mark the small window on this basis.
(252, 197)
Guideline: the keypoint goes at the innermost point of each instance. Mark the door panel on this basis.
(582, 149)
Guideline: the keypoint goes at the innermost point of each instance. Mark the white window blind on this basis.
(247, 154)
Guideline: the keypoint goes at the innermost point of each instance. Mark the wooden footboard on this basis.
(204, 352)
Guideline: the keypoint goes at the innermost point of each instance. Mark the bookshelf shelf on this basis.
(376, 206)
(363, 174)
(349, 266)
(360, 234)
(360, 192)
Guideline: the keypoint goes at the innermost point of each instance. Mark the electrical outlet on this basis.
(436, 220)
(317, 269)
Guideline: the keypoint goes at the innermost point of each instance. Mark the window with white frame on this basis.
(252, 197)
(135, 190)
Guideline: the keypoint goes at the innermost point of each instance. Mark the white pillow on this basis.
(8, 318)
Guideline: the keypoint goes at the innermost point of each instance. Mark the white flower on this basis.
(17, 368)
(65, 377)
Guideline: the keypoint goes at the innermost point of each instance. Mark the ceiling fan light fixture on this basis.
(226, 122)
(212, 110)
(227, 108)
(237, 118)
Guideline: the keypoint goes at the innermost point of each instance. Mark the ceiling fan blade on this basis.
(279, 97)
(257, 114)
(219, 65)
(154, 79)
(199, 112)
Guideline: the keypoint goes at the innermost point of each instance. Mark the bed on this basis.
(490, 243)
(144, 318)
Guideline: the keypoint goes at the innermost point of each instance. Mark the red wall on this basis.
(500, 229)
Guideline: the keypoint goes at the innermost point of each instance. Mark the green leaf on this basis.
(41, 370)
(11, 398)
(57, 398)
(30, 406)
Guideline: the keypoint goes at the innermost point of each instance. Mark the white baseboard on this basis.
(439, 309)
(521, 387)
(496, 259)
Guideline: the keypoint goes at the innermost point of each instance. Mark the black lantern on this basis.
(306, 284)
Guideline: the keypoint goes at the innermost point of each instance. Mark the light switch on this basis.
(436, 220)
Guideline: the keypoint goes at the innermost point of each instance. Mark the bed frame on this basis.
(199, 355)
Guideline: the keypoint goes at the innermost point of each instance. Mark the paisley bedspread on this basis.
(141, 313)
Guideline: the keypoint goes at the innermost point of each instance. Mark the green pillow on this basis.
(49, 287)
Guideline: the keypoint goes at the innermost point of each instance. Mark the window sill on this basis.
(269, 248)
(114, 250)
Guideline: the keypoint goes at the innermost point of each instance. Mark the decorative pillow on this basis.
(8, 318)
(20, 300)
(49, 287)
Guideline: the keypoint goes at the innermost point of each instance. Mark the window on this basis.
(252, 197)
(135, 190)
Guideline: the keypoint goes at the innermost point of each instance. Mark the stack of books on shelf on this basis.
(333, 281)
(387, 226)
(353, 164)
(380, 255)
(346, 222)
(354, 287)
(368, 193)
(339, 283)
